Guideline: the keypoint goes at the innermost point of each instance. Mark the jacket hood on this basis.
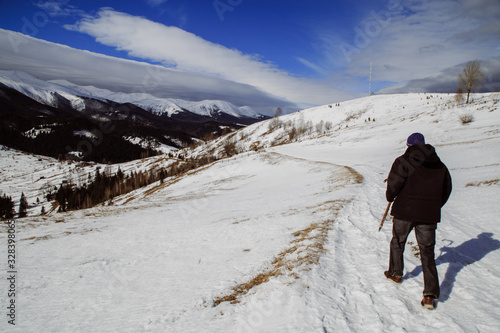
(424, 155)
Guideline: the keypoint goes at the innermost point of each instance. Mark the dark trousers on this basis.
(426, 239)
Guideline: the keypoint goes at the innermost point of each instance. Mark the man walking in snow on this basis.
(419, 184)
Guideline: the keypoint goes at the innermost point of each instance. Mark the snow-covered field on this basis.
(292, 227)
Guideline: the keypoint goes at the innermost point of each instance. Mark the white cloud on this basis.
(185, 51)
(58, 8)
(50, 61)
(407, 41)
(446, 81)
(414, 39)
(155, 3)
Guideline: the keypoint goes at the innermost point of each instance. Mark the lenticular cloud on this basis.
(185, 51)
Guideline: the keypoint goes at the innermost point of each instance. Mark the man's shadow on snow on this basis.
(458, 257)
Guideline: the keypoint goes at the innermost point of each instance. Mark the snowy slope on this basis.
(41, 91)
(143, 100)
(34, 175)
(207, 108)
(293, 224)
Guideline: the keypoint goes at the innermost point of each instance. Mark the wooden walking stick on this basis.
(385, 215)
(386, 211)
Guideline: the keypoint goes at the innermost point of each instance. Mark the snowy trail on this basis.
(348, 290)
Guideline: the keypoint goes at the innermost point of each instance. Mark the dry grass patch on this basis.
(356, 177)
(35, 239)
(241, 220)
(304, 232)
(155, 189)
(485, 182)
(346, 176)
(305, 250)
(244, 288)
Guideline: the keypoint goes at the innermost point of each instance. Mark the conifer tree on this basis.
(6, 207)
(23, 206)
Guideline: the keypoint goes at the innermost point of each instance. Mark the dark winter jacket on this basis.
(420, 184)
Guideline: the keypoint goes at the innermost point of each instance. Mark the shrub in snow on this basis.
(230, 148)
(274, 123)
(466, 118)
(292, 133)
(319, 126)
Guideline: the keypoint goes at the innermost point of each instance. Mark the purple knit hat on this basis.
(415, 139)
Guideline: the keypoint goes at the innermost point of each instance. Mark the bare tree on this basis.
(471, 77)
(277, 113)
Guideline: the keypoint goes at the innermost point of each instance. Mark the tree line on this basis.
(104, 187)
(100, 188)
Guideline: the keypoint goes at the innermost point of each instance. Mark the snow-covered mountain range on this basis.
(45, 92)
(48, 117)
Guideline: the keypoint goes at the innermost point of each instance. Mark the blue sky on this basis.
(276, 31)
(305, 52)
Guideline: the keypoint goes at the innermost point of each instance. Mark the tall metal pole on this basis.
(370, 85)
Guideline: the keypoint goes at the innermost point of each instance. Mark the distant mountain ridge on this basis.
(43, 91)
(135, 125)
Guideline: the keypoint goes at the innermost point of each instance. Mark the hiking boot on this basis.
(428, 302)
(394, 278)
